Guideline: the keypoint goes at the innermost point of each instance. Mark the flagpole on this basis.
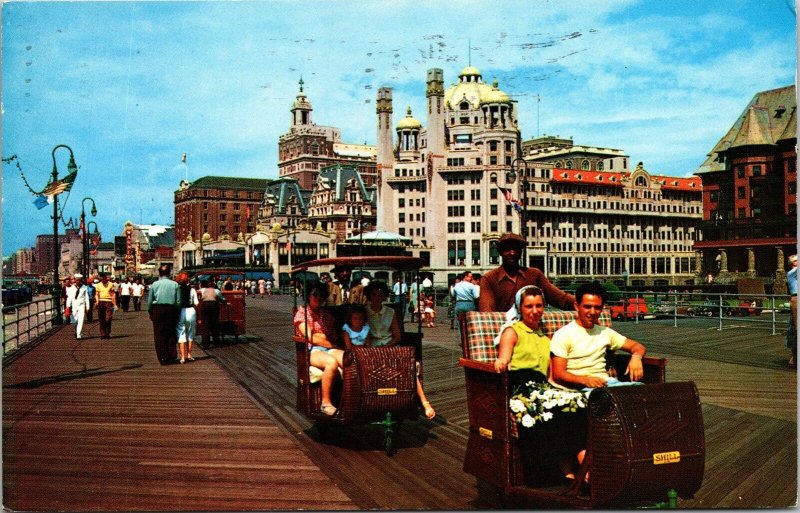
(71, 167)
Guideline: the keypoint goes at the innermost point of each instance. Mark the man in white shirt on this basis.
(579, 348)
(78, 303)
(125, 294)
(137, 291)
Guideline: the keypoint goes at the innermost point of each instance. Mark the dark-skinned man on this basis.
(499, 286)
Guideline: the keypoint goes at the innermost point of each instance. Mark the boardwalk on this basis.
(99, 425)
(76, 412)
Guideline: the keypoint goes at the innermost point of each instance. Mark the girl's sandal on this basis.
(328, 409)
(429, 411)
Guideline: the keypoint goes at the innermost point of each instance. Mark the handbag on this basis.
(67, 312)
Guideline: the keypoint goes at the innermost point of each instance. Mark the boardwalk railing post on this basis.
(773, 314)
(637, 308)
(720, 313)
(675, 313)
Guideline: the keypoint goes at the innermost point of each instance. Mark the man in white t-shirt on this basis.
(137, 290)
(125, 294)
(579, 348)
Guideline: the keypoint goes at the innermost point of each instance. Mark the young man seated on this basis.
(579, 348)
(578, 355)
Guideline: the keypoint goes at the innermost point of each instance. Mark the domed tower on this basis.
(497, 108)
(408, 136)
(301, 109)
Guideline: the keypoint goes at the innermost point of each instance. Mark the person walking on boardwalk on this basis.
(499, 286)
(106, 302)
(465, 295)
(791, 333)
(78, 303)
(187, 324)
(91, 293)
(210, 299)
(125, 294)
(164, 305)
(137, 291)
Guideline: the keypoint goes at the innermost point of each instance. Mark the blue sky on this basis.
(131, 86)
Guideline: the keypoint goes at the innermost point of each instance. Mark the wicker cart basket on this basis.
(645, 440)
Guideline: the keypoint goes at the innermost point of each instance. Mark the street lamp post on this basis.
(95, 235)
(85, 235)
(71, 168)
(522, 187)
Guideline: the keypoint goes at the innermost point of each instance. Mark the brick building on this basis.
(223, 207)
(307, 147)
(750, 192)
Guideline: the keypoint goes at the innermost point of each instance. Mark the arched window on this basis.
(464, 106)
(585, 165)
(641, 181)
(559, 165)
(600, 166)
(568, 164)
(493, 178)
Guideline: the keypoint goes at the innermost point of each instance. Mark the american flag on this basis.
(58, 186)
(510, 198)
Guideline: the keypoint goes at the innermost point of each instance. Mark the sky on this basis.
(131, 86)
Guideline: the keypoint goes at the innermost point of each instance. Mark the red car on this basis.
(630, 308)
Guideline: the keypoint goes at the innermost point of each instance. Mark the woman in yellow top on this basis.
(548, 448)
(524, 350)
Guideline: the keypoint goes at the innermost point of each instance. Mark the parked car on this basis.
(664, 310)
(630, 308)
(747, 308)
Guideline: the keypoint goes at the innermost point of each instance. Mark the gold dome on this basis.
(494, 95)
(409, 122)
(473, 90)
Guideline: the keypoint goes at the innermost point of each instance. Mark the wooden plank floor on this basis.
(100, 425)
(106, 424)
(749, 407)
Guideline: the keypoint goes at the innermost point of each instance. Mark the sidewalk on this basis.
(100, 425)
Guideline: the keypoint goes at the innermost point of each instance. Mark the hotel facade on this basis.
(455, 186)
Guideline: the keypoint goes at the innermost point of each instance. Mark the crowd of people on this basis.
(173, 307)
(104, 294)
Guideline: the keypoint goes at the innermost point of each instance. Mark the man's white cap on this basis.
(77, 276)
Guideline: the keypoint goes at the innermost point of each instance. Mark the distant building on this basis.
(23, 260)
(340, 201)
(146, 247)
(750, 192)
(449, 188)
(307, 148)
(43, 264)
(563, 153)
(223, 207)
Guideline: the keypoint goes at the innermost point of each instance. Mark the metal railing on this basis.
(25, 322)
(728, 310)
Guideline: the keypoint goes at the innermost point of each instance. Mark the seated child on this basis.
(355, 331)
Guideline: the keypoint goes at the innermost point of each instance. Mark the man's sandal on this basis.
(429, 411)
(328, 409)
